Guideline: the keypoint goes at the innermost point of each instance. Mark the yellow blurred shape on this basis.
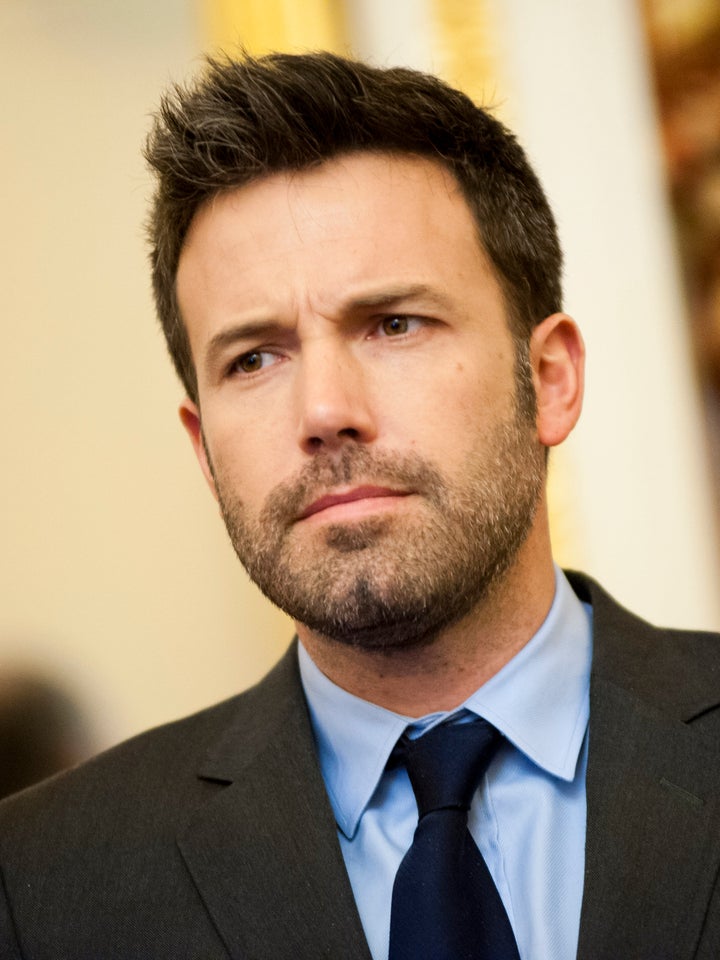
(261, 26)
(467, 41)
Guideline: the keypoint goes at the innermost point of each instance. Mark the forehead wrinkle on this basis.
(391, 295)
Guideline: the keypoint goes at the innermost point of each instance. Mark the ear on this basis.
(190, 417)
(557, 354)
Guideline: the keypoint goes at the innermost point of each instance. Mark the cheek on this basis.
(449, 405)
(245, 460)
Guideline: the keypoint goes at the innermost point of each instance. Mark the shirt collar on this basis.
(539, 701)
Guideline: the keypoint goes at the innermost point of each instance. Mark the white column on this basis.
(585, 112)
(395, 33)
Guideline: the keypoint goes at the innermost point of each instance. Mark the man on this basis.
(358, 276)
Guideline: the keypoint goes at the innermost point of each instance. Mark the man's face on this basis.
(357, 395)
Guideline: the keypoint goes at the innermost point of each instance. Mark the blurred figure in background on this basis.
(42, 729)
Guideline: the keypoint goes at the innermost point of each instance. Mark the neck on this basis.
(441, 675)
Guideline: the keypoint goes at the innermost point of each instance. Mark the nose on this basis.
(333, 399)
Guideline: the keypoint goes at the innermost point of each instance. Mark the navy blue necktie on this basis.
(445, 905)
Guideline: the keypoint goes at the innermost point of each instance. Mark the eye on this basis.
(252, 362)
(397, 325)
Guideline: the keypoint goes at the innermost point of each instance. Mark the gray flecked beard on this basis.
(394, 580)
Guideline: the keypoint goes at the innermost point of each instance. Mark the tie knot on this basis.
(446, 764)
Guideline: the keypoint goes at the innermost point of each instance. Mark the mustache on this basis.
(355, 465)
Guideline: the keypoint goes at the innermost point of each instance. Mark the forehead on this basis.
(348, 228)
(353, 191)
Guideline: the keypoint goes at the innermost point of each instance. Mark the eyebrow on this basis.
(387, 297)
(239, 331)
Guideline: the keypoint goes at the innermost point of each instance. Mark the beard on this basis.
(398, 579)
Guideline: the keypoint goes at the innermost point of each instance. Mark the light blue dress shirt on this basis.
(528, 814)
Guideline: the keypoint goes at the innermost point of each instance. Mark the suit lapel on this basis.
(263, 850)
(653, 823)
(652, 833)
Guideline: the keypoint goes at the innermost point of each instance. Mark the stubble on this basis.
(396, 579)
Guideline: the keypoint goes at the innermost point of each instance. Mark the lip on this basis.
(340, 497)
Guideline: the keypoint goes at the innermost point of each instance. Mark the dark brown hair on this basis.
(245, 119)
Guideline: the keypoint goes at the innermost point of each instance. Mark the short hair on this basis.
(245, 119)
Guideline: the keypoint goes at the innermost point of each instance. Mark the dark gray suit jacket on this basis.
(213, 837)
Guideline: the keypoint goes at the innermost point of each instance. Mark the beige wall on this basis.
(115, 569)
(116, 573)
(637, 464)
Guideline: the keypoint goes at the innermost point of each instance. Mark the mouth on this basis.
(356, 501)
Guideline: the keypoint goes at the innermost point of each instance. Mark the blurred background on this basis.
(116, 578)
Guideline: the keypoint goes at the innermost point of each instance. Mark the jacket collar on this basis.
(653, 824)
(264, 855)
(263, 850)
